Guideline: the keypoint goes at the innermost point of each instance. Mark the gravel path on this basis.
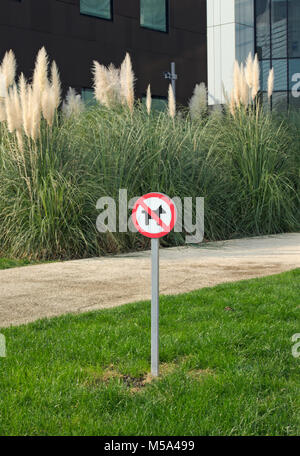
(33, 292)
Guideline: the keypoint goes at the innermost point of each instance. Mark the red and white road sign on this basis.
(154, 215)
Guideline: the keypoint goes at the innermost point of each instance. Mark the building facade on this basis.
(76, 32)
(202, 37)
(270, 28)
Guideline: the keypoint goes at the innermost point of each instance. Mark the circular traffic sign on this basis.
(154, 215)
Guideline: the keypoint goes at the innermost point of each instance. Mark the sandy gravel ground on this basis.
(33, 292)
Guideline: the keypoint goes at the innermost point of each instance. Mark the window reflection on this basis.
(294, 28)
(280, 70)
(278, 46)
(244, 11)
(279, 28)
(263, 38)
(265, 66)
(294, 75)
(154, 14)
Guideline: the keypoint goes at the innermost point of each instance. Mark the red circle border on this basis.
(173, 214)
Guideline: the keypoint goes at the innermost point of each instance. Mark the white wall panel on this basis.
(226, 42)
(227, 12)
(227, 57)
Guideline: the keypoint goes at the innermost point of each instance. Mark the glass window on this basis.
(244, 12)
(99, 8)
(154, 14)
(158, 103)
(294, 83)
(263, 39)
(280, 100)
(294, 28)
(279, 28)
(294, 102)
(88, 96)
(244, 41)
(264, 74)
(280, 74)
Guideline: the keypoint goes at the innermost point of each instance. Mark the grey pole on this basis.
(155, 308)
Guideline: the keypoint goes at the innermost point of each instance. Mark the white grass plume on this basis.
(3, 94)
(232, 103)
(171, 102)
(127, 82)
(198, 102)
(271, 83)
(23, 93)
(101, 84)
(244, 88)
(2, 111)
(249, 70)
(34, 112)
(237, 83)
(49, 100)
(114, 85)
(8, 68)
(13, 110)
(148, 100)
(216, 113)
(255, 79)
(40, 74)
(56, 84)
(73, 104)
(3, 89)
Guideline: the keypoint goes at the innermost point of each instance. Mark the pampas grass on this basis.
(114, 86)
(53, 168)
(127, 82)
(55, 84)
(244, 166)
(13, 110)
(48, 104)
(246, 85)
(244, 88)
(73, 104)
(216, 113)
(8, 68)
(171, 102)
(148, 100)
(34, 112)
(255, 78)
(3, 90)
(249, 71)
(101, 84)
(3, 93)
(270, 83)
(198, 102)
(237, 83)
(107, 87)
(40, 75)
(2, 111)
(25, 103)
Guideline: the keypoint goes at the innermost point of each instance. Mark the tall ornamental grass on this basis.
(244, 160)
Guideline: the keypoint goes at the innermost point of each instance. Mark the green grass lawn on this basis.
(224, 372)
(8, 263)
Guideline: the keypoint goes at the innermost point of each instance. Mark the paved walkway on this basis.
(34, 292)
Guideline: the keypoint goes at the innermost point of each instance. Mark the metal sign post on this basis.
(154, 216)
(172, 76)
(155, 308)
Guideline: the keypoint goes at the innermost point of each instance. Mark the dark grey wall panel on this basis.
(75, 40)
